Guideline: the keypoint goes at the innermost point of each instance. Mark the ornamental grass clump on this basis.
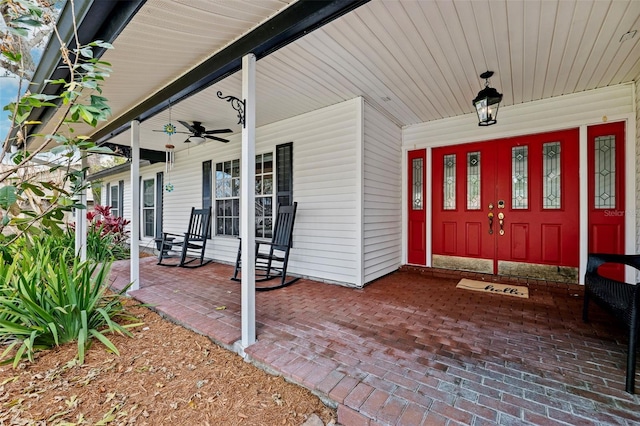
(44, 303)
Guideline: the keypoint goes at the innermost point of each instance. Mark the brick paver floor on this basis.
(410, 349)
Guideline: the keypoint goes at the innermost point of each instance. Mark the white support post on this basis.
(135, 206)
(247, 202)
(584, 203)
(81, 215)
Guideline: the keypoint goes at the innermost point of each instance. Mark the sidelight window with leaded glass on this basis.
(473, 181)
(605, 172)
(417, 168)
(520, 177)
(551, 184)
(449, 185)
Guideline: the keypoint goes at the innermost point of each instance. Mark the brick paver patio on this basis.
(412, 349)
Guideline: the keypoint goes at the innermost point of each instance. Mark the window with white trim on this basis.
(148, 206)
(114, 200)
(268, 175)
(264, 195)
(227, 195)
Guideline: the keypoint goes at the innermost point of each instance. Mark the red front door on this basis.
(508, 206)
(417, 220)
(606, 192)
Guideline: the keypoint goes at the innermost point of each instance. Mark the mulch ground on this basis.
(164, 375)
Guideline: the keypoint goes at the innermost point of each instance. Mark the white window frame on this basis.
(223, 187)
(116, 212)
(152, 209)
(217, 188)
(264, 223)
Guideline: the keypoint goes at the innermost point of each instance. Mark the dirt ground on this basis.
(164, 375)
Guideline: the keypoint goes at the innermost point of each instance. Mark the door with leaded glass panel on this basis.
(509, 206)
(417, 217)
(463, 187)
(606, 193)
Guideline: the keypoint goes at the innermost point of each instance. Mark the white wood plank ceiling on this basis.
(417, 60)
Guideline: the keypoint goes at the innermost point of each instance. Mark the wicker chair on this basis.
(620, 299)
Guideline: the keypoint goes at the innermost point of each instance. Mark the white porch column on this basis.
(135, 206)
(81, 215)
(247, 202)
(583, 156)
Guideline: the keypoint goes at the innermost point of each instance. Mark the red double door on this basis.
(511, 206)
(507, 206)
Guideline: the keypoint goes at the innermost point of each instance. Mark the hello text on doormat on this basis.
(508, 290)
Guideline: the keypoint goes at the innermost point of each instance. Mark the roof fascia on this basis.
(292, 23)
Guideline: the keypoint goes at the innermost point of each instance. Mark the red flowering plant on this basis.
(102, 221)
(106, 235)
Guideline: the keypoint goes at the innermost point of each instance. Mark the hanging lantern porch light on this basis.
(487, 102)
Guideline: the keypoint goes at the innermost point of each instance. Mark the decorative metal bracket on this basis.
(118, 150)
(145, 154)
(236, 104)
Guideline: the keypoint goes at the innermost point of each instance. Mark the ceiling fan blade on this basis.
(188, 126)
(215, 131)
(186, 133)
(215, 138)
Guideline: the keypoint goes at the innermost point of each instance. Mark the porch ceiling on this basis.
(417, 60)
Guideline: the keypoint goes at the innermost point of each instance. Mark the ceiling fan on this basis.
(198, 133)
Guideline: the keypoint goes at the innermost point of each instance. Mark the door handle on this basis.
(501, 222)
(490, 216)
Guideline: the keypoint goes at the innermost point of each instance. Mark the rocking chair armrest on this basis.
(169, 238)
(170, 234)
(260, 242)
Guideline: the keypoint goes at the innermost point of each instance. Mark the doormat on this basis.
(494, 288)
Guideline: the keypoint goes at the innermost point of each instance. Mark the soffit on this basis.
(417, 61)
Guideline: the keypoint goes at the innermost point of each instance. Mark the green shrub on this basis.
(44, 302)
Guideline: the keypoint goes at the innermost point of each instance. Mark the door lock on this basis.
(501, 222)
(490, 216)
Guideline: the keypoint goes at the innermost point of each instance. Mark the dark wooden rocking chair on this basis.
(191, 245)
(273, 263)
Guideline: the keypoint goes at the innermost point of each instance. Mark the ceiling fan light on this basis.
(197, 140)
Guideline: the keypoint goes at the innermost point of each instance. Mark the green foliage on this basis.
(45, 303)
(30, 203)
(105, 247)
(102, 245)
(7, 196)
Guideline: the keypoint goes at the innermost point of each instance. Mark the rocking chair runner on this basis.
(273, 264)
(190, 245)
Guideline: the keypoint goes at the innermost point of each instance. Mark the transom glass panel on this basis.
(473, 181)
(551, 193)
(520, 177)
(449, 185)
(605, 172)
(417, 184)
